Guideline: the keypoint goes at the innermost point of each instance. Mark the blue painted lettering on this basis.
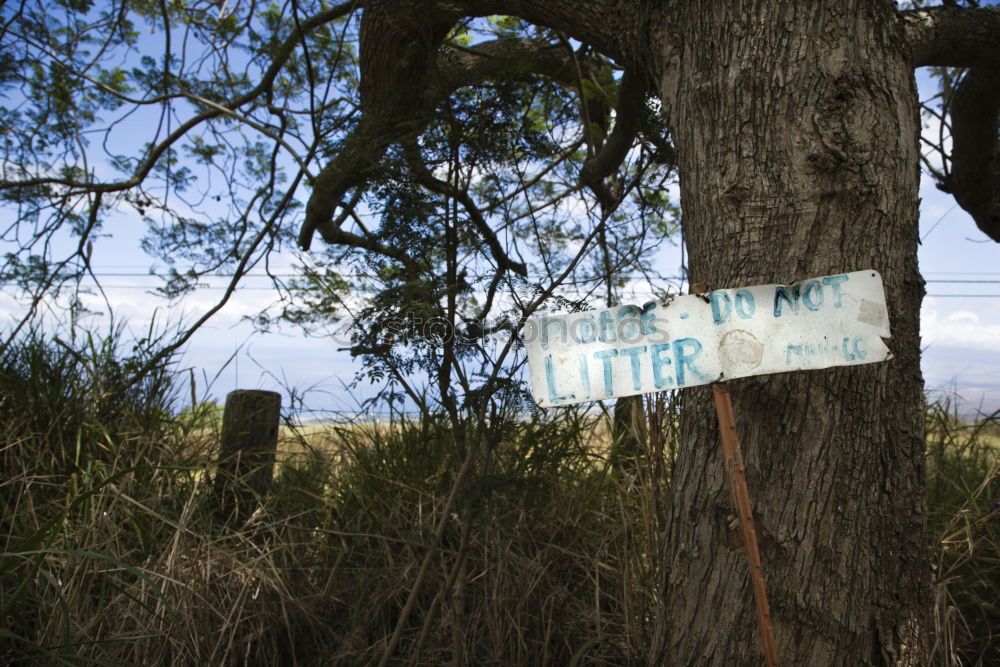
(745, 305)
(550, 380)
(560, 323)
(629, 329)
(605, 356)
(835, 282)
(583, 330)
(860, 348)
(647, 318)
(658, 353)
(585, 375)
(633, 354)
(607, 325)
(721, 306)
(686, 351)
(781, 294)
(812, 295)
(790, 350)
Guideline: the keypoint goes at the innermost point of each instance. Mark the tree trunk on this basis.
(796, 129)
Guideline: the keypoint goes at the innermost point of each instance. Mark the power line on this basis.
(962, 273)
(299, 275)
(356, 289)
(209, 275)
(198, 287)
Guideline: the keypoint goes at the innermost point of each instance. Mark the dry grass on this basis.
(113, 552)
(963, 485)
(124, 562)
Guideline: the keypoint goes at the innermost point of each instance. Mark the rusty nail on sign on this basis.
(837, 320)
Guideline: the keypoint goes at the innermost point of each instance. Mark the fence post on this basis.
(247, 450)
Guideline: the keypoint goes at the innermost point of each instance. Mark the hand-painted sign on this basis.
(699, 339)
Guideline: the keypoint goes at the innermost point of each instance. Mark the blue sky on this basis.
(960, 334)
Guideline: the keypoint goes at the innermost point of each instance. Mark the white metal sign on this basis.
(699, 339)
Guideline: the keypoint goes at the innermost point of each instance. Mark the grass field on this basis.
(114, 550)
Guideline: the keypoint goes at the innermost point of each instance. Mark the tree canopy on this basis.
(404, 134)
(506, 159)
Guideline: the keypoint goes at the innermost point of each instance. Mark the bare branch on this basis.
(463, 66)
(631, 97)
(975, 156)
(393, 111)
(953, 36)
(617, 28)
(425, 178)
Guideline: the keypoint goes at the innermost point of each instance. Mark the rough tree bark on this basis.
(796, 131)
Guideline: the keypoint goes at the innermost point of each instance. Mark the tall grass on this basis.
(79, 400)
(111, 554)
(963, 495)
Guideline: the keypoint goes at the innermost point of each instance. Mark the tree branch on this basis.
(616, 28)
(953, 36)
(396, 111)
(281, 56)
(631, 97)
(975, 158)
(366, 243)
(404, 75)
(354, 163)
(425, 178)
(392, 112)
(507, 55)
(398, 48)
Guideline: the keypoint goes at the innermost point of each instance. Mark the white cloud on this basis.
(959, 328)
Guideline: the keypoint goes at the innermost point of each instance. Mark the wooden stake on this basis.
(741, 497)
(247, 449)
